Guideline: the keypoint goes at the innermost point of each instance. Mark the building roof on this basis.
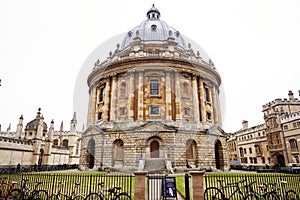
(153, 29)
(33, 125)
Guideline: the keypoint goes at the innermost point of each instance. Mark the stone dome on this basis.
(153, 29)
(33, 125)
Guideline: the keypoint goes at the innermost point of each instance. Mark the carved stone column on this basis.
(141, 95)
(131, 96)
(202, 100)
(178, 97)
(92, 106)
(168, 96)
(218, 106)
(106, 101)
(195, 98)
(214, 105)
(113, 99)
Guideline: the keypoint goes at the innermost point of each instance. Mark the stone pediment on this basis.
(92, 129)
(217, 130)
(155, 127)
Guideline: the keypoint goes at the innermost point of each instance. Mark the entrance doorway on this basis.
(40, 161)
(91, 153)
(154, 149)
(280, 160)
(219, 155)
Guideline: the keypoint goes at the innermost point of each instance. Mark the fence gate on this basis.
(155, 184)
(161, 186)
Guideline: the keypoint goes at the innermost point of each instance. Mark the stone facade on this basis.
(275, 142)
(38, 145)
(154, 98)
(249, 146)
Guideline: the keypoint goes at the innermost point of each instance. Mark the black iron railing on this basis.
(88, 181)
(210, 180)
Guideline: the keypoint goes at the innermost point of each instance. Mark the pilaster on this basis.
(202, 100)
(195, 98)
(92, 106)
(178, 97)
(113, 99)
(106, 100)
(141, 95)
(168, 96)
(131, 88)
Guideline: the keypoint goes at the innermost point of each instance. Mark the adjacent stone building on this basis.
(154, 103)
(274, 143)
(36, 144)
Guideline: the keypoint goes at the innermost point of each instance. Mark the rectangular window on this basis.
(122, 111)
(154, 110)
(99, 115)
(208, 115)
(207, 94)
(255, 160)
(187, 112)
(154, 87)
(101, 95)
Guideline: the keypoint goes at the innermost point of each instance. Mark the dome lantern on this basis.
(153, 13)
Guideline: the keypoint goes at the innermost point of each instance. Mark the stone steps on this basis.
(154, 164)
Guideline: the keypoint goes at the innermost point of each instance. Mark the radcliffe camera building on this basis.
(153, 104)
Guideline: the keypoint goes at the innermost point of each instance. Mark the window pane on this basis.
(154, 87)
(154, 110)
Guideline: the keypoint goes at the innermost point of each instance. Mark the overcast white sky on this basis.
(255, 45)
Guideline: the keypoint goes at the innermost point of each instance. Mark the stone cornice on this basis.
(130, 65)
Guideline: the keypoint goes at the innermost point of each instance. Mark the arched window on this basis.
(293, 144)
(65, 143)
(191, 147)
(118, 149)
(55, 142)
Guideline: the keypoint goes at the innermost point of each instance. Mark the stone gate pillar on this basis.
(140, 185)
(197, 185)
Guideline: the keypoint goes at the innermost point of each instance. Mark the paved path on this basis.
(179, 197)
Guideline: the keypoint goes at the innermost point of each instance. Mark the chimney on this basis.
(245, 124)
(291, 95)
